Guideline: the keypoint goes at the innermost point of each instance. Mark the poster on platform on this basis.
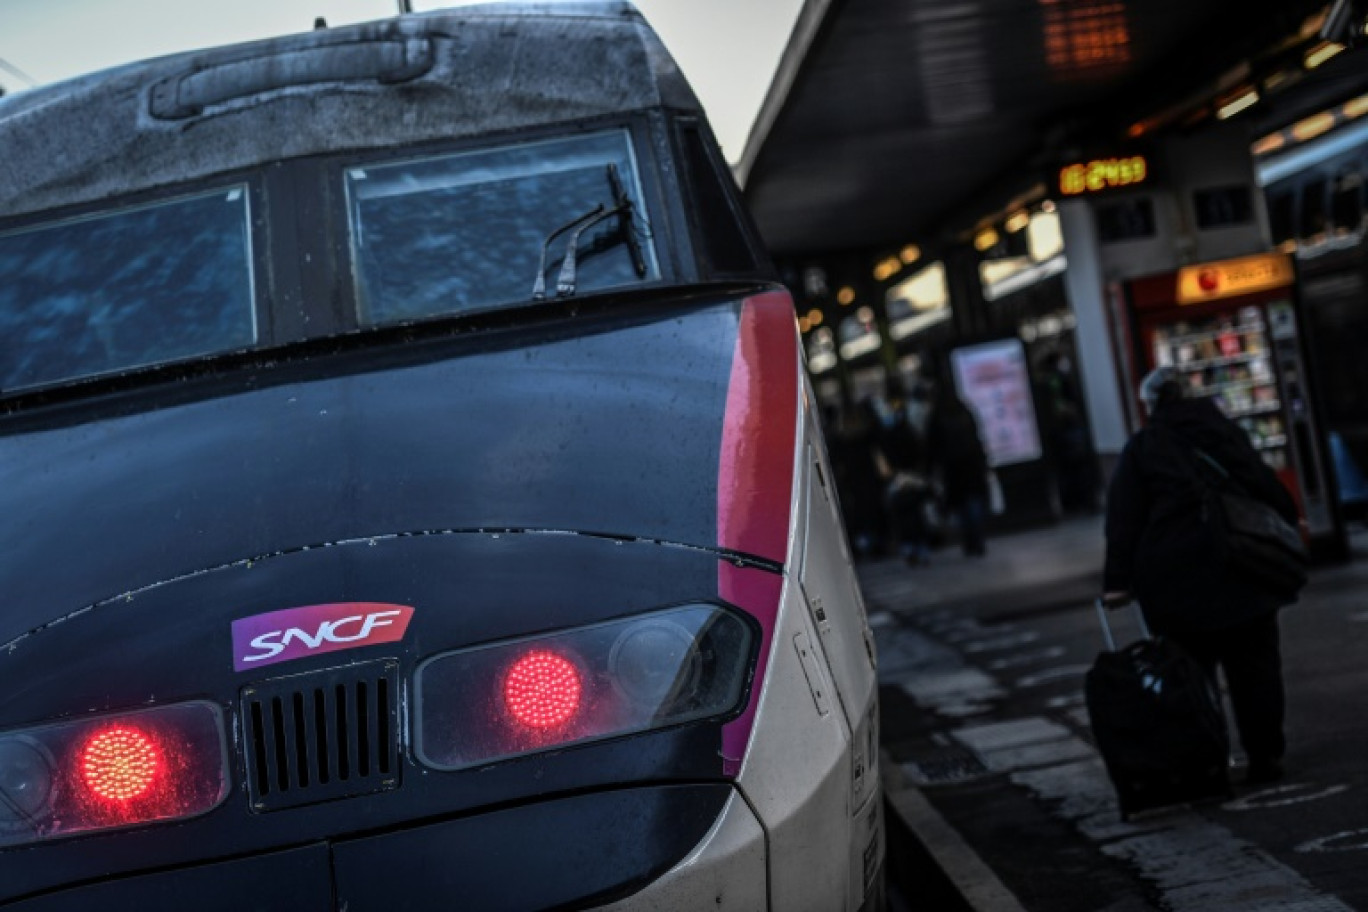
(993, 381)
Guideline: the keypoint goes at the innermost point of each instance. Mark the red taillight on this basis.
(74, 777)
(542, 689)
(119, 764)
(650, 671)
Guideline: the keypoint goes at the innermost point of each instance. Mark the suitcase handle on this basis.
(1106, 622)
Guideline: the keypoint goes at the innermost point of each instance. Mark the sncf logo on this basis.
(279, 636)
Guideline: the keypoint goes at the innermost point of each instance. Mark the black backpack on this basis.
(1251, 539)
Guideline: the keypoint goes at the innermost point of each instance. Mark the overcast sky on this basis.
(727, 48)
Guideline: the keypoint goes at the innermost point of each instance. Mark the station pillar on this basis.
(1094, 331)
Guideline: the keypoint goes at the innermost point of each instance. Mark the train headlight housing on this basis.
(500, 700)
(111, 771)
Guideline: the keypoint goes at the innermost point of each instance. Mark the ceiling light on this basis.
(1313, 126)
(1321, 53)
(845, 296)
(1017, 221)
(886, 268)
(1235, 104)
(985, 239)
(1270, 143)
(1355, 108)
(910, 254)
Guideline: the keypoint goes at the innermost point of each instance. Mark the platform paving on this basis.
(989, 760)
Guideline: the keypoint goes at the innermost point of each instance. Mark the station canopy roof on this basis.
(890, 121)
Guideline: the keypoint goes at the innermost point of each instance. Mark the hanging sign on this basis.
(1231, 278)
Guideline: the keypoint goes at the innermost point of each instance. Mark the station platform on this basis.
(998, 800)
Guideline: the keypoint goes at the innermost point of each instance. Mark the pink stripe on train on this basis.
(755, 479)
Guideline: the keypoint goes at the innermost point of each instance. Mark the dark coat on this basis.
(903, 446)
(1158, 546)
(952, 439)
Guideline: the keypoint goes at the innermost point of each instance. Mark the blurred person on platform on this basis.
(908, 493)
(957, 457)
(854, 443)
(918, 406)
(1066, 430)
(1159, 550)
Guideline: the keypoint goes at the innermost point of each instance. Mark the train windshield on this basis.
(475, 230)
(115, 291)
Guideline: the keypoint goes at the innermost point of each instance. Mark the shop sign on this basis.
(1231, 278)
(1102, 174)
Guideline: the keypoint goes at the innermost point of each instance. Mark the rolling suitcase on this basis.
(1157, 719)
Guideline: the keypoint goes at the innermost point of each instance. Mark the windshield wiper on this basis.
(539, 286)
(623, 203)
(622, 208)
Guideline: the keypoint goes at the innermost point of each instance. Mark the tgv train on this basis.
(410, 494)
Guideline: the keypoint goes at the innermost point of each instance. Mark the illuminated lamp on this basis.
(910, 254)
(542, 689)
(1017, 221)
(886, 268)
(804, 325)
(1355, 108)
(1313, 126)
(119, 764)
(1268, 144)
(1321, 53)
(1048, 206)
(1233, 104)
(814, 317)
(985, 239)
(846, 295)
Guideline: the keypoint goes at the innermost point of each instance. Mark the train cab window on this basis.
(114, 291)
(721, 238)
(502, 226)
(1314, 217)
(1346, 202)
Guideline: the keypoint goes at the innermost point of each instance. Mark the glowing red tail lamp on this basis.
(542, 689)
(108, 772)
(120, 763)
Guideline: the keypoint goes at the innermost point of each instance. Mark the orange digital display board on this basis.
(1102, 174)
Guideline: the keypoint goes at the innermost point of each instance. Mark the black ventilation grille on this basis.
(316, 737)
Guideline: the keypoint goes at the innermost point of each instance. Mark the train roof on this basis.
(422, 77)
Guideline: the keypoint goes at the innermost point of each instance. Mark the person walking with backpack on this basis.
(1166, 549)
